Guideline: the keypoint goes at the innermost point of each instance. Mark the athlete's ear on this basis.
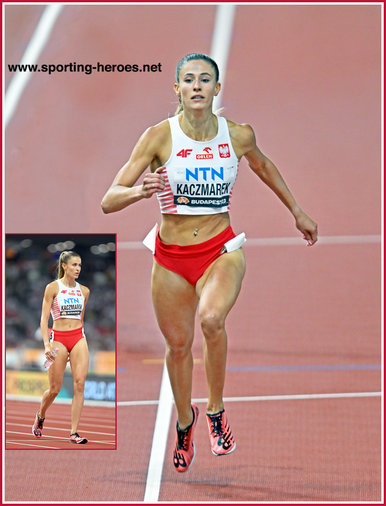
(217, 89)
(177, 89)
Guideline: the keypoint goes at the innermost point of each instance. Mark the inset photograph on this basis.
(60, 342)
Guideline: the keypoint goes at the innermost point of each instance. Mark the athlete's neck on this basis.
(68, 281)
(199, 125)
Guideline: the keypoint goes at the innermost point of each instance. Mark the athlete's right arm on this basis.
(122, 193)
(49, 295)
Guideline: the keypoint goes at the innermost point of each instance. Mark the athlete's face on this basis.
(197, 85)
(73, 267)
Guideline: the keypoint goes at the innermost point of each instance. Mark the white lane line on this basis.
(258, 398)
(30, 398)
(298, 241)
(47, 436)
(296, 397)
(37, 446)
(54, 428)
(31, 55)
(221, 42)
(283, 241)
(219, 52)
(160, 436)
(137, 403)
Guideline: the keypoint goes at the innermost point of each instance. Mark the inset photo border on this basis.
(74, 308)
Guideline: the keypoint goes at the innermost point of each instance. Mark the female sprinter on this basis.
(66, 299)
(193, 158)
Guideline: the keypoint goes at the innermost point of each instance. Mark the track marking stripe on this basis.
(267, 398)
(298, 241)
(219, 52)
(107, 442)
(153, 402)
(37, 446)
(283, 241)
(57, 429)
(30, 398)
(14, 419)
(160, 436)
(221, 41)
(336, 367)
(31, 55)
(297, 397)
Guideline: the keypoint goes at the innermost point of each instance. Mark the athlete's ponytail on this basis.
(190, 57)
(63, 259)
(180, 107)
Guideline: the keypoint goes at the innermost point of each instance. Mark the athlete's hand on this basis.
(49, 352)
(308, 228)
(153, 182)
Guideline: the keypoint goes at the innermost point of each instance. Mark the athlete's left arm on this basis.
(244, 143)
(86, 293)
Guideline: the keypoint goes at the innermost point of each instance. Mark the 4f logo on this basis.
(184, 153)
(223, 150)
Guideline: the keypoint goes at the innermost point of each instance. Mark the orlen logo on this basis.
(182, 200)
(184, 153)
(63, 291)
(205, 156)
(223, 150)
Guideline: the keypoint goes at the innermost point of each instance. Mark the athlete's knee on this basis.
(79, 385)
(178, 347)
(55, 389)
(212, 323)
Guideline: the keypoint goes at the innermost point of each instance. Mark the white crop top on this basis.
(199, 175)
(69, 302)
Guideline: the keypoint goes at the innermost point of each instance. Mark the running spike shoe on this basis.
(185, 451)
(37, 427)
(220, 435)
(75, 438)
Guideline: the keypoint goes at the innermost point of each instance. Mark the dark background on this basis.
(31, 263)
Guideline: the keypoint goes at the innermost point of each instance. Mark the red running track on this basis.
(308, 321)
(97, 425)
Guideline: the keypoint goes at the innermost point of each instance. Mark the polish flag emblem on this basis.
(223, 150)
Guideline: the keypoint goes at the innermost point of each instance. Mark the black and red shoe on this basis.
(37, 427)
(75, 438)
(185, 451)
(221, 438)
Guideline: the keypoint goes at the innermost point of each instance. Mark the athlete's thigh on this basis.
(174, 301)
(220, 285)
(79, 358)
(56, 371)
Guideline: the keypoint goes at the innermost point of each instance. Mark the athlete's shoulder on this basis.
(85, 290)
(240, 131)
(52, 288)
(158, 132)
(242, 137)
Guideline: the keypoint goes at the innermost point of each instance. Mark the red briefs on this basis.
(191, 261)
(67, 337)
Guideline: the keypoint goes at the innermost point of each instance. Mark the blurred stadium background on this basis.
(31, 263)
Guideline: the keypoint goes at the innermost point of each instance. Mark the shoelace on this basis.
(183, 439)
(217, 428)
(75, 435)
